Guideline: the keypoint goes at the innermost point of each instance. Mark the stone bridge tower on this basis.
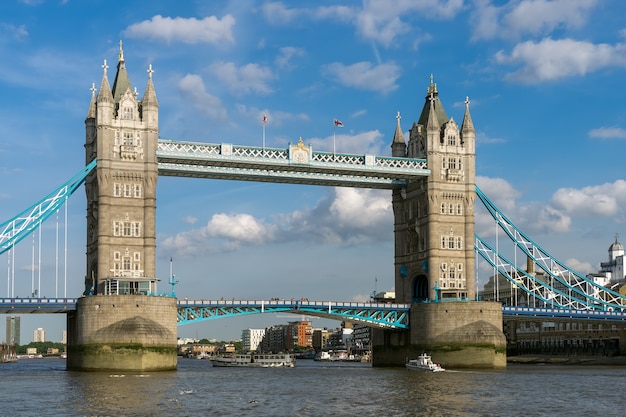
(121, 323)
(434, 248)
(434, 227)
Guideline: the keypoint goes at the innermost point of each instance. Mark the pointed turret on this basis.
(432, 122)
(121, 83)
(91, 112)
(104, 95)
(149, 106)
(467, 126)
(398, 146)
(149, 97)
(104, 100)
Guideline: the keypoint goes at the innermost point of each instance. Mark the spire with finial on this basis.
(432, 103)
(149, 97)
(91, 113)
(467, 126)
(398, 145)
(432, 124)
(121, 83)
(104, 95)
(120, 57)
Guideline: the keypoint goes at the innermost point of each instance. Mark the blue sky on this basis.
(545, 80)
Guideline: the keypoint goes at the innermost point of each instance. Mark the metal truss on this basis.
(560, 313)
(562, 282)
(546, 293)
(385, 316)
(17, 228)
(297, 164)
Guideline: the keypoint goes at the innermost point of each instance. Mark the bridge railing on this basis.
(290, 303)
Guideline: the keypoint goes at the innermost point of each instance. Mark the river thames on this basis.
(42, 387)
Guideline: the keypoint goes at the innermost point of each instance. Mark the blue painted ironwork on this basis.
(298, 164)
(565, 287)
(18, 305)
(388, 316)
(17, 228)
(562, 313)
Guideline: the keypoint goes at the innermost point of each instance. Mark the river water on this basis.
(42, 387)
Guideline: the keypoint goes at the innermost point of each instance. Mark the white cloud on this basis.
(286, 56)
(483, 139)
(187, 30)
(550, 59)
(608, 133)
(278, 13)
(249, 78)
(369, 142)
(350, 216)
(543, 16)
(365, 76)
(17, 32)
(532, 217)
(192, 87)
(601, 200)
(376, 20)
(528, 17)
(382, 22)
(499, 191)
(579, 266)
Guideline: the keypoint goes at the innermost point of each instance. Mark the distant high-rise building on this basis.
(13, 331)
(64, 337)
(39, 335)
(251, 339)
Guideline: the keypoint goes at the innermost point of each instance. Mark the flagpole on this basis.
(264, 122)
(334, 129)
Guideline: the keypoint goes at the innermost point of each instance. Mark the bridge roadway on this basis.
(382, 315)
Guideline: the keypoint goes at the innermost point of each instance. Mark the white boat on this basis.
(256, 360)
(424, 363)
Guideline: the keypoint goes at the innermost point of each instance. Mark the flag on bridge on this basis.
(338, 123)
(264, 118)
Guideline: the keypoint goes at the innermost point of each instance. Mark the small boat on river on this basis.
(424, 363)
(256, 360)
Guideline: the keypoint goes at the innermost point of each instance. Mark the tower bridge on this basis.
(122, 321)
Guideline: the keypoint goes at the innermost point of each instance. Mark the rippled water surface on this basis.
(42, 387)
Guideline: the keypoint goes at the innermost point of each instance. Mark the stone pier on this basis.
(122, 333)
(455, 334)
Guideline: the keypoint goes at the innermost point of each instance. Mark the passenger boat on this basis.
(424, 363)
(256, 360)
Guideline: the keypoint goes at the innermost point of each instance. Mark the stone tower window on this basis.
(127, 112)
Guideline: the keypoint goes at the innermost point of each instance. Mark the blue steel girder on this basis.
(297, 164)
(18, 305)
(585, 293)
(532, 313)
(386, 316)
(545, 292)
(21, 225)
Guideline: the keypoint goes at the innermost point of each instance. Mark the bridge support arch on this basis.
(434, 250)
